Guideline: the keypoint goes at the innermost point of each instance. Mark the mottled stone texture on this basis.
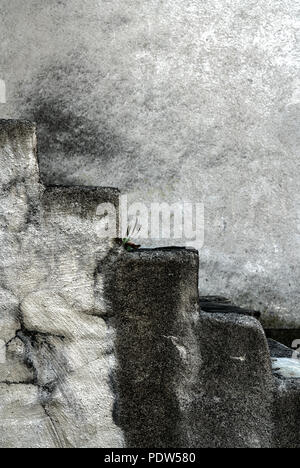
(55, 380)
(287, 413)
(105, 348)
(174, 99)
(287, 402)
(233, 408)
(188, 378)
(155, 311)
(23, 421)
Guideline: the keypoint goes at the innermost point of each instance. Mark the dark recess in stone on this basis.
(286, 336)
(220, 305)
(166, 249)
(287, 413)
(87, 188)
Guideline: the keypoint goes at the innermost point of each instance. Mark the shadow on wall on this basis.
(72, 132)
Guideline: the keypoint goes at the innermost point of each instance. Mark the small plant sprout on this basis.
(126, 241)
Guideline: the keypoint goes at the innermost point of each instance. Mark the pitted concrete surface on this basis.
(175, 100)
(287, 367)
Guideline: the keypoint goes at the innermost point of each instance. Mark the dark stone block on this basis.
(278, 350)
(154, 298)
(233, 401)
(286, 413)
(220, 305)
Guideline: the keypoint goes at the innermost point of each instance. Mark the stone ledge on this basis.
(18, 127)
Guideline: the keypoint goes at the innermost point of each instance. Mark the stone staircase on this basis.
(109, 348)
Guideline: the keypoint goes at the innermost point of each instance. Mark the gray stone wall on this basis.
(174, 100)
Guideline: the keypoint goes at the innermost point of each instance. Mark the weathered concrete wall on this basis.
(174, 100)
(55, 371)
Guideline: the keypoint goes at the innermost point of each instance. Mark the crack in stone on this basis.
(30, 340)
(34, 333)
(60, 443)
(25, 382)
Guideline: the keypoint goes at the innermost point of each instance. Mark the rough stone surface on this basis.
(177, 99)
(234, 396)
(155, 310)
(55, 386)
(278, 350)
(286, 412)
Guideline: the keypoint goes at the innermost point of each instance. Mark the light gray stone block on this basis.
(55, 379)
